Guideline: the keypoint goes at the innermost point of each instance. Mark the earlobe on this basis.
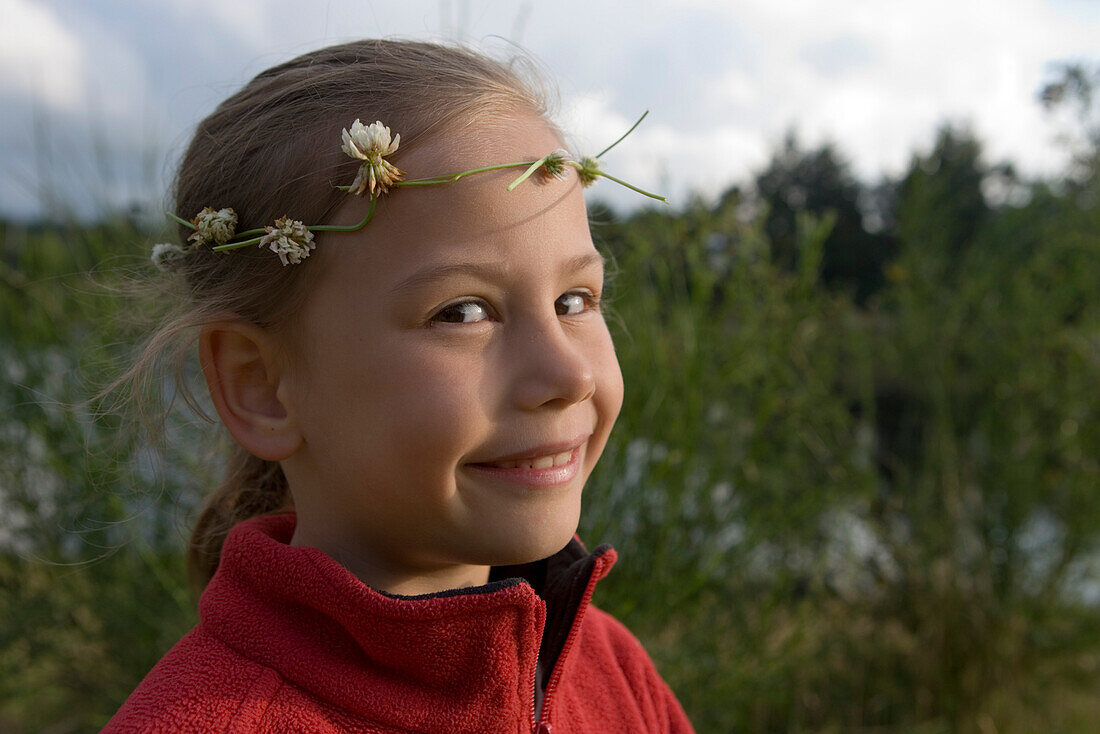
(243, 375)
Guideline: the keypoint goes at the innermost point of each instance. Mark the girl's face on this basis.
(456, 379)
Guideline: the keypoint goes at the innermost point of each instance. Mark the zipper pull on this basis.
(542, 728)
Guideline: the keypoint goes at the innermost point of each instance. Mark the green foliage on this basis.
(941, 203)
(91, 576)
(819, 182)
(837, 510)
(850, 517)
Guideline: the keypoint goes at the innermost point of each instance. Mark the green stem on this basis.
(184, 222)
(315, 228)
(619, 181)
(636, 124)
(527, 174)
(455, 176)
(235, 245)
(348, 227)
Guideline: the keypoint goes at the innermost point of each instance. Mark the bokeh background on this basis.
(856, 481)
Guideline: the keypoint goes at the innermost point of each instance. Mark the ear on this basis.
(239, 361)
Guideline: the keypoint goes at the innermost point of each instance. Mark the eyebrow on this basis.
(488, 271)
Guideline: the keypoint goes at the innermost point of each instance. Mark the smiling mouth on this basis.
(536, 471)
(536, 462)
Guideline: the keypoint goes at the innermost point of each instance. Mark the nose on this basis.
(554, 367)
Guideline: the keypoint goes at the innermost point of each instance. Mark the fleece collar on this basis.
(399, 661)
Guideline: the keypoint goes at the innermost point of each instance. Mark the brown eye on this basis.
(466, 312)
(571, 304)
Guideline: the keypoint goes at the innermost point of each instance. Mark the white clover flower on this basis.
(555, 163)
(289, 239)
(166, 256)
(213, 226)
(370, 144)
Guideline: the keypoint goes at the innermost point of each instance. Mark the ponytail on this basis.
(251, 487)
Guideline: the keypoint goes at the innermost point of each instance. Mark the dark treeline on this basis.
(855, 484)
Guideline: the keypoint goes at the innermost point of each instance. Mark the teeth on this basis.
(539, 462)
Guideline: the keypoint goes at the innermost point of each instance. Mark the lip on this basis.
(546, 449)
(547, 477)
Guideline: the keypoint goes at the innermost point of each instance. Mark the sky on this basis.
(98, 98)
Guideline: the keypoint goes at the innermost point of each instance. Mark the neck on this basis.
(377, 572)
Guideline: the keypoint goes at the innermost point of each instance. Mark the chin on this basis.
(507, 547)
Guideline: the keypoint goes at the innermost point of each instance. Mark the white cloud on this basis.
(877, 78)
(658, 156)
(39, 56)
(250, 22)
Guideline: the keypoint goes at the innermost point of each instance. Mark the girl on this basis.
(417, 401)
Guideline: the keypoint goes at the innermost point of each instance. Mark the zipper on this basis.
(535, 697)
(535, 725)
(541, 726)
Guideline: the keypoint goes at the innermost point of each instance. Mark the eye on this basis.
(571, 304)
(463, 312)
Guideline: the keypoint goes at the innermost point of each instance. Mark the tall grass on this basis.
(831, 517)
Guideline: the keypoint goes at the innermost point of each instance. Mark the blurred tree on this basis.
(1071, 94)
(818, 181)
(940, 201)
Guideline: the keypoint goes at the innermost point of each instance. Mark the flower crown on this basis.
(292, 240)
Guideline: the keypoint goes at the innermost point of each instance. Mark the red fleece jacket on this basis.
(290, 641)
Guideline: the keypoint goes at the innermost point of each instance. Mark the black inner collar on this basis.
(560, 581)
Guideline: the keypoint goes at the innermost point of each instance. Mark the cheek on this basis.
(609, 383)
(404, 408)
(369, 401)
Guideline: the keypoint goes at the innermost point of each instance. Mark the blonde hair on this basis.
(272, 149)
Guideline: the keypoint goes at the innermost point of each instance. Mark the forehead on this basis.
(475, 218)
(510, 135)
